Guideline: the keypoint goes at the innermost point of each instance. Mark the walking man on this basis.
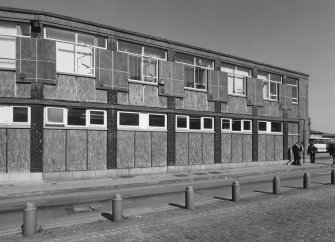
(311, 151)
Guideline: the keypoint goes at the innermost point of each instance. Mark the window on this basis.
(270, 127)
(14, 115)
(192, 123)
(75, 117)
(235, 125)
(271, 84)
(295, 91)
(143, 61)
(8, 31)
(75, 51)
(236, 78)
(149, 121)
(195, 70)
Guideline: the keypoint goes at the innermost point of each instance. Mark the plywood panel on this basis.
(195, 148)
(225, 148)
(270, 148)
(151, 98)
(233, 104)
(125, 149)
(159, 148)
(7, 84)
(247, 148)
(23, 90)
(76, 150)
(3, 157)
(86, 89)
(279, 147)
(54, 150)
(18, 146)
(179, 102)
(122, 98)
(262, 147)
(274, 109)
(142, 149)
(201, 101)
(181, 149)
(190, 100)
(136, 94)
(49, 91)
(237, 146)
(208, 148)
(66, 87)
(97, 150)
(101, 96)
(224, 107)
(242, 105)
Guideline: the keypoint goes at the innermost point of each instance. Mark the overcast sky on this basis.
(294, 34)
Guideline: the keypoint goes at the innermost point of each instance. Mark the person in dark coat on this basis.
(297, 150)
(311, 151)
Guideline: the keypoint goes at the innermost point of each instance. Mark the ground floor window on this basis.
(142, 121)
(194, 123)
(270, 127)
(235, 125)
(14, 115)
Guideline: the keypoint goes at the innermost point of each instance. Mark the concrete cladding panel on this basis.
(7, 84)
(303, 94)
(181, 149)
(171, 79)
(159, 149)
(142, 149)
(18, 150)
(125, 149)
(194, 101)
(218, 86)
(54, 150)
(226, 148)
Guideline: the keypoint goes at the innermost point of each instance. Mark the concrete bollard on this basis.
(29, 219)
(307, 180)
(332, 177)
(276, 185)
(236, 191)
(117, 207)
(189, 197)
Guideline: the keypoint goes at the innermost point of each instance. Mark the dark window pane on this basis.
(181, 122)
(225, 124)
(275, 126)
(129, 47)
(20, 114)
(236, 125)
(156, 120)
(184, 58)
(247, 125)
(189, 76)
(55, 115)
(291, 81)
(208, 123)
(154, 52)
(195, 123)
(204, 62)
(262, 126)
(135, 67)
(130, 119)
(76, 116)
(97, 117)
(200, 78)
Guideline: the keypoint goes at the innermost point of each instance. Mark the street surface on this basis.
(295, 215)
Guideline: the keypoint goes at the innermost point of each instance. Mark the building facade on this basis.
(82, 99)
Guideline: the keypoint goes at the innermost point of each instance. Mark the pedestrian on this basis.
(311, 152)
(297, 153)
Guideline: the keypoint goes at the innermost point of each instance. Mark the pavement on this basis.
(14, 196)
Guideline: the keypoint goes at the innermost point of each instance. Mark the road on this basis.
(252, 188)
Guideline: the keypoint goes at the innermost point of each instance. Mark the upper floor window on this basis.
(295, 88)
(271, 84)
(14, 115)
(236, 78)
(194, 123)
(195, 70)
(143, 61)
(75, 117)
(147, 121)
(75, 51)
(235, 125)
(270, 127)
(8, 32)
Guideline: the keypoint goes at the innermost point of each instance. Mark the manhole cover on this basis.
(181, 175)
(200, 173)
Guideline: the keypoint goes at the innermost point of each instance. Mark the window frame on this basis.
(196, 71)
(143, 57)
(9, 120)
(230, 130)
(274, 97)
(143, 122)
(234, 76)
(269, 127)
(202, 125)
(294, 100)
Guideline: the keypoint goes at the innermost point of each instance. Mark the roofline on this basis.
(37, 12)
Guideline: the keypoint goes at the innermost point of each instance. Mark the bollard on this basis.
(189, 197)
(306, 180)
(117, 207)
(332, 177)
(276, 185)
(29, 219)
(236, 191)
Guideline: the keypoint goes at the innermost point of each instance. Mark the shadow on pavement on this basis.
(107, 216)
(293, 187)
(321, 183)
(177, 205)
(223, 198)
(264, 192)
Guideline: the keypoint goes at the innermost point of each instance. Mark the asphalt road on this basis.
(206, 192)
